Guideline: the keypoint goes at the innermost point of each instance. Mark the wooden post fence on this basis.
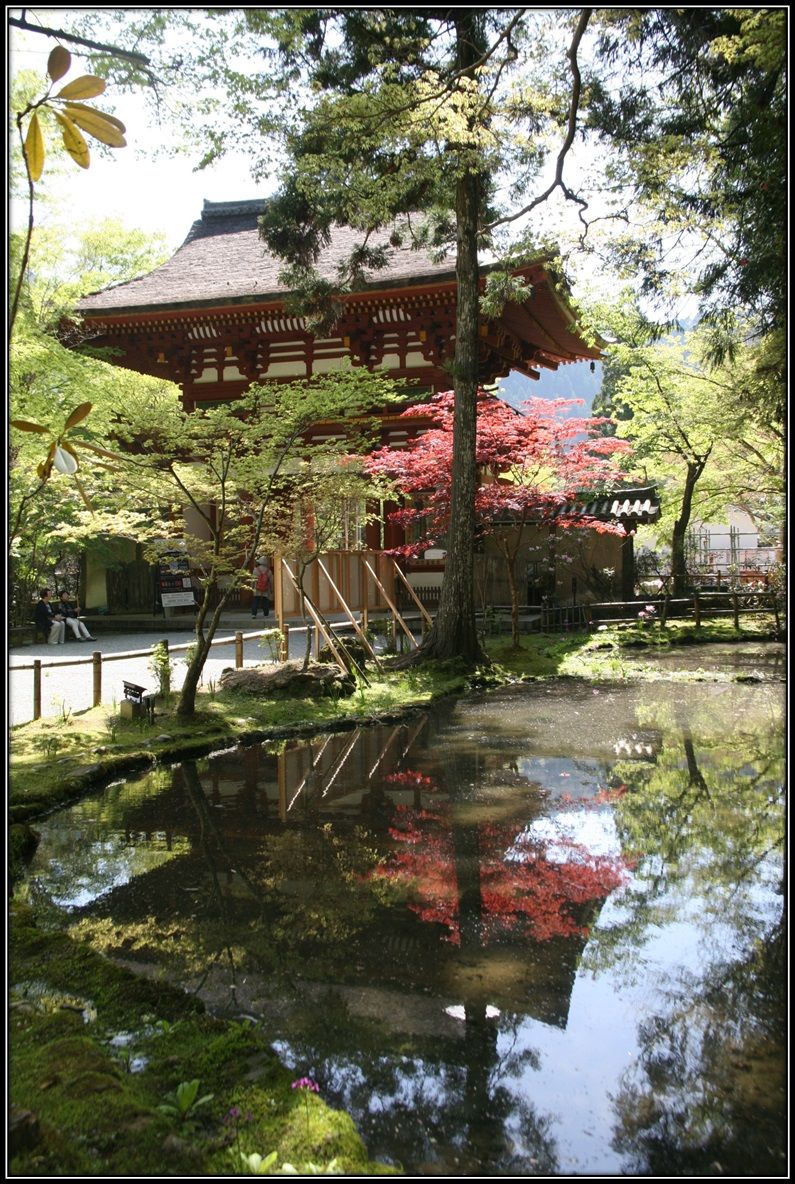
(37, 688)
(97, 679)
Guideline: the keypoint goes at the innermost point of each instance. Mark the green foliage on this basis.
(51, 514)
(252, 461)
(185, 1100)
(710, 436)
(704, 148)
(161, 665)
(271, 641)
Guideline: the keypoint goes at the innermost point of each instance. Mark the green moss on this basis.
(95, 1118)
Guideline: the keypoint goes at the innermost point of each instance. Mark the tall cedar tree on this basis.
(402, 121)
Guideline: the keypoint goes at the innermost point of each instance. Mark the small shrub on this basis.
(161, 666)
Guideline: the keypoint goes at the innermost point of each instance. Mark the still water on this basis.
(538, 932)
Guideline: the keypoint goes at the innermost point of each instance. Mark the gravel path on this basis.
(66, 687)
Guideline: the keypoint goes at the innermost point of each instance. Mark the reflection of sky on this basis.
(562, 775)
(102, 865)
(566, 833)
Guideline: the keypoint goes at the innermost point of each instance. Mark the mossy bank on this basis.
(102, 1072)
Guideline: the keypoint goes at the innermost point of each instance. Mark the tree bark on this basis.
(454, 634)
(679, 579)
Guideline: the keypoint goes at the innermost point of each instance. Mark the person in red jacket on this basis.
(262, 588)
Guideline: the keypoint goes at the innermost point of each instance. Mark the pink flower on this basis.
(306, 1083)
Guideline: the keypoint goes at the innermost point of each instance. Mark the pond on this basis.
(534, 932)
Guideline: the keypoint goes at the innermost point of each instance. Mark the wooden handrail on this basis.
(392, 606)
(359, 631)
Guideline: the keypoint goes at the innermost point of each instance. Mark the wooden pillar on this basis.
(97, 670)
(278, 591)
(37, 688)
(628, 565)
(238, 650)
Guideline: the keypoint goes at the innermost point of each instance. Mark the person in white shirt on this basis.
(71, 616)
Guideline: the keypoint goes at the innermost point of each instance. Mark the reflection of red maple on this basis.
(533, 887)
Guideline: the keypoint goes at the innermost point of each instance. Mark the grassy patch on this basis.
(617, 651)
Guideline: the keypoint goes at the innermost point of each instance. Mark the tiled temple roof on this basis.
(223, 259)
(626, 505)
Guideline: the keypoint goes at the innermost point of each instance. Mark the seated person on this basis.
(71, 615)
(49, 620)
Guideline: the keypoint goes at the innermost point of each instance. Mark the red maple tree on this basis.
(535, 467)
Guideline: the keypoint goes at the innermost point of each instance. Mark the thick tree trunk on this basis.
(454, 634)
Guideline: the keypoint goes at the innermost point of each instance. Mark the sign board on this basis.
(174, 582)
(173, 599)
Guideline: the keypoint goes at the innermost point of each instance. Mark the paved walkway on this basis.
(67, 670)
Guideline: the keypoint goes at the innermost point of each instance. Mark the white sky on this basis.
(127, 183)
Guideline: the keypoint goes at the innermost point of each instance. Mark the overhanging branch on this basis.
(571, 130)
(130, 55)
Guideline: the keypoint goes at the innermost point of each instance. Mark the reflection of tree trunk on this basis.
(467, 870)
(695, 774)
(195, 793)
(484, 1128)
(485, 1134)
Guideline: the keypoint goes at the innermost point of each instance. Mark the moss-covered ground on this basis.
(101, 1070)
(80, 1025)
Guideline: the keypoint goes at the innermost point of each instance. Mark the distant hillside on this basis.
(575, 381)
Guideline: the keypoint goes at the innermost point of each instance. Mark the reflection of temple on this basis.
(236, 810)
(293, 898)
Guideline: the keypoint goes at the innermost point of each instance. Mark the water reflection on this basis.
(537, 933)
